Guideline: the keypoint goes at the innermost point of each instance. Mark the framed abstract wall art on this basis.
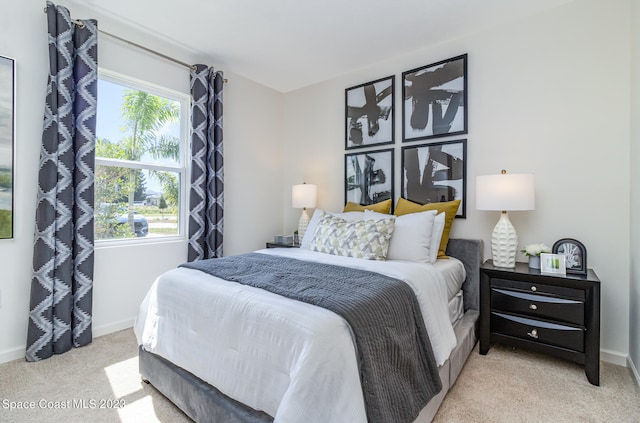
(369, 113)
(368, 177)
(434, 100)
(7, 123)
(436, 172)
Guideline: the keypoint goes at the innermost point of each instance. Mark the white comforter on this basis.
(293, 360)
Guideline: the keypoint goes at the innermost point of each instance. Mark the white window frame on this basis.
(183, 169)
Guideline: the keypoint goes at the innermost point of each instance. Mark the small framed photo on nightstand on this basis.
(553, 263)
(575, 252)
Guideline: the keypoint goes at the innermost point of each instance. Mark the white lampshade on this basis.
(303, 196)
(505, 192)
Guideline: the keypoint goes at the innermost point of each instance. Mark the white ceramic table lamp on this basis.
(505, 192)
(303, 196)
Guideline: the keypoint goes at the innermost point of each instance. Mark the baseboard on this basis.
(113, 327)
(613, 357)
(634, 370)
(19, 353)
(11, 355)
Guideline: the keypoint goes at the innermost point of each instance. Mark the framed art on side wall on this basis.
(7, 119)
(368, 177)
(436, 172)
(369, 113)
(434, 100)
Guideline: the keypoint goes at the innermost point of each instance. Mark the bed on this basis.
(273, 358)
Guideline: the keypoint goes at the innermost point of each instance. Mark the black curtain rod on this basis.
(164, 56)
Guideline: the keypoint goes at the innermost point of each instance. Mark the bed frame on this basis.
(204, 403)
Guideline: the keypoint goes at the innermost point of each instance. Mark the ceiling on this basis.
(290, 44)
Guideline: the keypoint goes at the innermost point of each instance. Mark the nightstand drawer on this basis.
(539, 288)
(538, 331)
(548, 307)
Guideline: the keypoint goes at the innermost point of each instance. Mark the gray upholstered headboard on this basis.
(469, 252)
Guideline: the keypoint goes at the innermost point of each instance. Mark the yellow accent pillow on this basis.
(381, 207)
(450, 208)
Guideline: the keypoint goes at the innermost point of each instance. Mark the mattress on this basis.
(301, 357)
(454, 274)
(456, 308)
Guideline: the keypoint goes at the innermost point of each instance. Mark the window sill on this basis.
(133, 242)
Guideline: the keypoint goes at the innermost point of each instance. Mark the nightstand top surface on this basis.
(279, 245)
(524, 269)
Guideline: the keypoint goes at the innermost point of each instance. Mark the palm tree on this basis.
(145, 116)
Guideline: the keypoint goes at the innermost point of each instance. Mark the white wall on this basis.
(548, 95)
(634, 291)
(21, 39)
(252, 122)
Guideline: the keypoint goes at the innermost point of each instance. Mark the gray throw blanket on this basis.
(398, 370)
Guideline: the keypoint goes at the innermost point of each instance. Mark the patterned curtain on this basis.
(207, 179)
(61, 288)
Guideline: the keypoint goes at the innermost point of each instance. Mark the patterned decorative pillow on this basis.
(367, 239)
(311, 229)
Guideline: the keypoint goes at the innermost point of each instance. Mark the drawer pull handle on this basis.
(533, 333)
(533, 288)
(533, 307)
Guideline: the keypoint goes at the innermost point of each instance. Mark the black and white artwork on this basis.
(435, 99)
(369, 111)
(437, 172)
(575, 253)
(7, 91)
(368, 177)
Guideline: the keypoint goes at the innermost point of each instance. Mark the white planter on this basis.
(534, 262)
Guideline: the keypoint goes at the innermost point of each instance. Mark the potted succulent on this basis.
(533, 251)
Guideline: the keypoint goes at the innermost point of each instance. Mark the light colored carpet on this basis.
(504, 386)
(512, 385)
(105, 370)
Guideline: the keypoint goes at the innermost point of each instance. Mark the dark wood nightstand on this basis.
(275, 245)
(553, 314)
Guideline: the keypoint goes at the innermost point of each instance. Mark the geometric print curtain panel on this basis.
(207, 176)
(62, 283)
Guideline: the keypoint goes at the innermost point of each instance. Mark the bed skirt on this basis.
(204, 403)
(466, 330)
(196, 398)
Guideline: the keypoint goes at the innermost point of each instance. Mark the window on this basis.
(141, 146)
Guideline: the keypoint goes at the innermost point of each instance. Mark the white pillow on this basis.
(313, 222)
(436, 236)
(412, 236)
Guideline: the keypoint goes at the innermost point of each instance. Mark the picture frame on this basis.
(7, 145)
(435, 172)
(575, 253)
(434, 100)
(370, 113)
(369, 176)
(553, 263)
